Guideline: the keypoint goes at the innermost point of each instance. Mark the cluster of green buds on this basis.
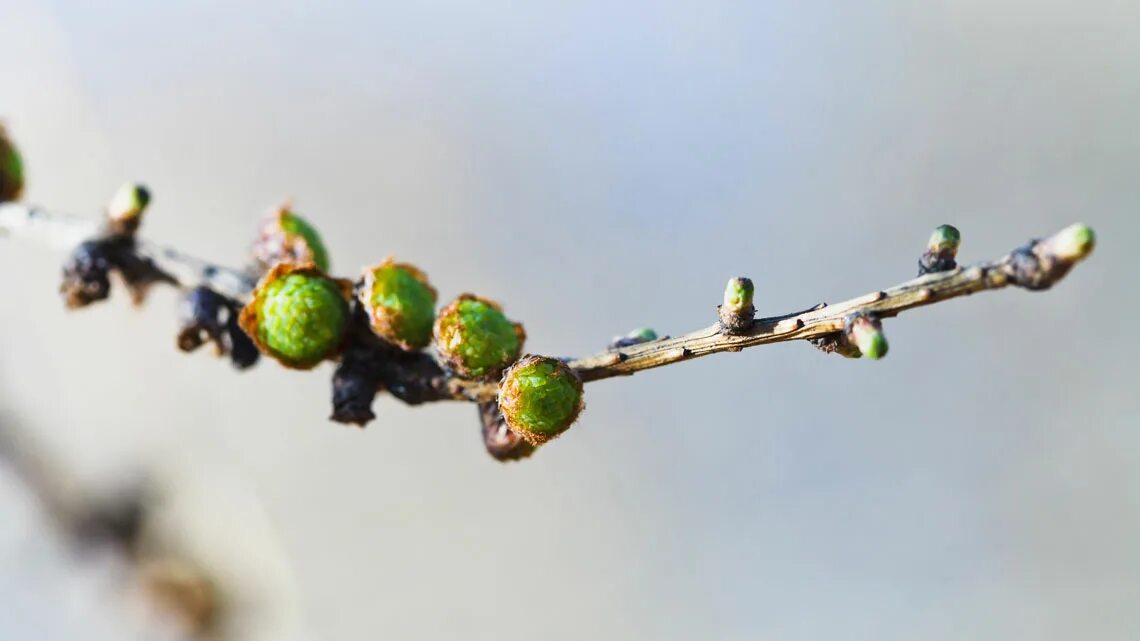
(941, 250)
(286, 237)
(737, 312)
(300, 316)
(11, 169)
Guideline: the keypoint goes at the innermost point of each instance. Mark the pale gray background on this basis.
(599, 166)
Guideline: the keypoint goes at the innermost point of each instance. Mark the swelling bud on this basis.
(298, 315)
(540, 398)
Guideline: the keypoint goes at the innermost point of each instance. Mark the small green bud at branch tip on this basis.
(128, 203)
(945, 239)
(1072, 243)
(738, 293)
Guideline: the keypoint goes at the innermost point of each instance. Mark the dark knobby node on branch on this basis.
(87, 274)
(357, 379)
(502, 443)
(1042, 263)
(836, 343)
(209, 317)
(355, 384)
(736, 313)
(941, 251)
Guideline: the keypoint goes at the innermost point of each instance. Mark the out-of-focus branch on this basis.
(64, 232)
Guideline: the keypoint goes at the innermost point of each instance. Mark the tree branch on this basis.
(368, 365)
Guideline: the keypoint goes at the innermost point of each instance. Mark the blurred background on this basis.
(599, 167)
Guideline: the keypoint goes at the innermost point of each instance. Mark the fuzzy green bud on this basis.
(738, 293)
(866, 333)
(1073, 243)
(286, 237)
(400, 303)
(941, 251)
(11, 169)
(540, 398)
(737, 311)
(298, 315)
(945, 240)
(475, 338)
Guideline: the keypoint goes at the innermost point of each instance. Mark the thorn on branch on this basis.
(737, 312)
(941, 251)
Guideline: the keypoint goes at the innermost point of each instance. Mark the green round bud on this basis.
(738, 293)
(400, 303)
(11, 169)
(298, 315)
(540, 398)
(127, 205)
(285, 237)
(946, 239)
(1073, 242)
(475, 338)
(866, 333)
